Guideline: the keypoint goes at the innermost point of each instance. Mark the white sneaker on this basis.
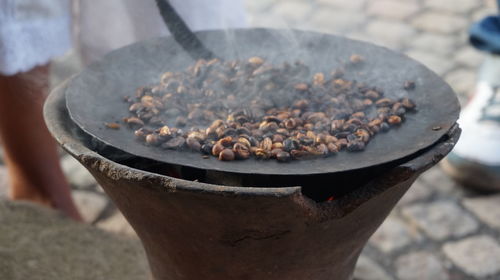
(475, 160)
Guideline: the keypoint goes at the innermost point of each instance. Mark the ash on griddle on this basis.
(237, 110)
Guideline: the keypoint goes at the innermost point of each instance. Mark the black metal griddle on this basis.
(94, 97)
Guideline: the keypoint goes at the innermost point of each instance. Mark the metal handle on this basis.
(181, 32)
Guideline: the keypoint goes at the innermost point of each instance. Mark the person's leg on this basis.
(30, 152)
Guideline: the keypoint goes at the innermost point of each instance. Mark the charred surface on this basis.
(120, 72)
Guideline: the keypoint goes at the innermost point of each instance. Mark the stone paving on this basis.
(439, 230)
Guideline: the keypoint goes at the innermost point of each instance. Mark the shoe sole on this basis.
(471, 174)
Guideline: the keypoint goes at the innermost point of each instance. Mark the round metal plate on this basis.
(95, 96)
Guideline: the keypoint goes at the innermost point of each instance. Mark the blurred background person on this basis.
(32, 32)
(475, 160)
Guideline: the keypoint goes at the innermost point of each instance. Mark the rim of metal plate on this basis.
(95, 96)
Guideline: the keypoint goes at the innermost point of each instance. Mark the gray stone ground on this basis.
(38, 243)
(439, 230)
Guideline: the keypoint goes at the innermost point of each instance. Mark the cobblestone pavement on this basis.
(438, 230)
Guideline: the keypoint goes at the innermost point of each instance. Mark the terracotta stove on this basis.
(252, 220)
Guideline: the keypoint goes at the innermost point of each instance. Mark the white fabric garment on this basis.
(111, 24)
(32, 32)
